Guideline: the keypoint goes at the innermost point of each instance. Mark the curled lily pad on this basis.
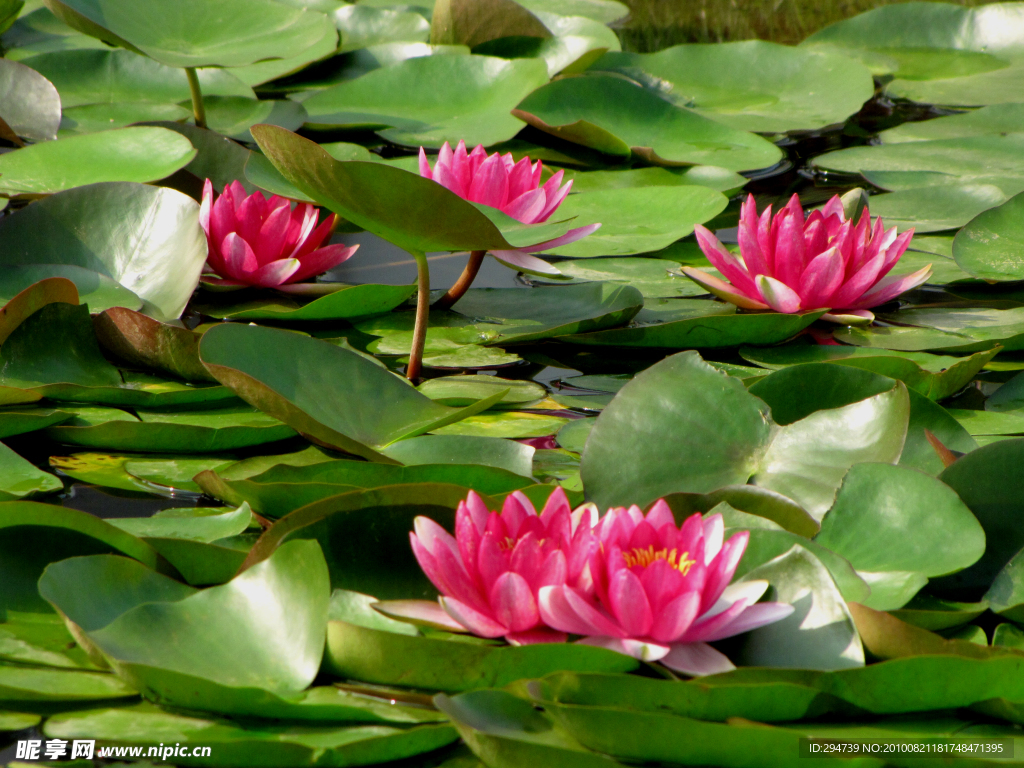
(343, 302)
(141, 340)
(20, 478)
(98, 291)
(31, 105)
(131, 230)
(228, 661)
(615, 117)
(328, 393)
(459, 449)
(209, 431)
(38, 685)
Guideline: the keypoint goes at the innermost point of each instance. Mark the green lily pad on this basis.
(228, 656)
(41, 639)
(1009, 397)
(106, 76)
(173, 474)
(638, 220)
(632, 453)
(989, 422)
(475, 98)
(549, 311)
(934, 376)
(878, 504)
(227, 33)
(464, 390)
(649, 276)
(932, 209)
(144, 154)
(32, 364)
(17, 721)
(148, 343)
(100, 469)
(414, 213)
(944, 329)
(282, 489)
(363, 25)
(131, 229)
(616, 117)
(38, 534)
(820, 634)
(376, 656)
(20, 479)
(323, 391)
(573, 436)
(31, 105)
(470, 22)
(977, 155)
(208, 431)
(604, 11)
(696, 323)
(461, 449)
(989, 246)
(235, 115)
(96, 290)
(755, 85)
(494, 722)
(980, 480)
(719, 179)
(995, 119)
(932, 613)
(510, 424)
(19, 420)
(275, 744)
(207, 528)
(27, 684)
(347, 302)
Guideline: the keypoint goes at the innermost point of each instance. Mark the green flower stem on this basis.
(197, 97)
(456, 292)
(419, 334)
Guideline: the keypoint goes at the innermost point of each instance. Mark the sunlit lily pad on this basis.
(363, 25)
(132, 231)
(755, 85)
(459, 449)
(224, 33)
(463, 390)
(145, 154)
(953, 330)
(613, 116)
(987, 121)
(31, 105)
(932, 209)
(205, 528)
(507, 424)
(478, 94)
(649, 276)
(989, 247)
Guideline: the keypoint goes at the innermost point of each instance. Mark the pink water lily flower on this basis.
(513, 188)
(661, 592)
(265, 243)
(791, 264)
(489, 573)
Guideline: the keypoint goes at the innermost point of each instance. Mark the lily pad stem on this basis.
(419, 333)
(197, 97)
(456, 292)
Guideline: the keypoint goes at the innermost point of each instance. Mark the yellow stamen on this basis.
(644, 557)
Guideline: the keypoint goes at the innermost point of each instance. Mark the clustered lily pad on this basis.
(716, 469)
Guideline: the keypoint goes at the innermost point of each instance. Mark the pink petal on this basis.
(863, 279)
(821, 279)
(490, 183)
(475, 621)
(275, 273)
(709, 628)
(891, 286)
(697, 660)
(629, 604)
(524, 262)
(779, 296)
(323, 259)
(491, 559)
(477, 510)
(555, 507)
(250, 217)
(662, 583)
(419, 612)
(513, 604)
(750, 249)
(535, 636)
(723, 290)
(520, 179)
(725, 261)
(555, 195)
(790, 249)
(271, 237)
(660, 515)
(206, 207)
(299, 233)
(638, 649)
(676, 618)
(714, 534)
(432, 536)
(834, 207)
(722, 568)
(526, 207)
(239, 260)
(757, 615)
(425, 171)
(564, 609)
